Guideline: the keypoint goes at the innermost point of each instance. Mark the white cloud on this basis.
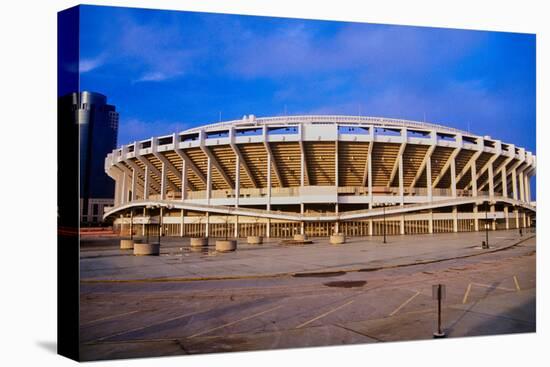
(152, 51)
(301, 49)
(88, 64)
(153, 76)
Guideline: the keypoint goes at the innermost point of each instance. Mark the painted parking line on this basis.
(150, 325)
(323, 315)
(109, 318)
(404, 303)
(234, 322)
(517, 283)
(465, 299)
(494, 287)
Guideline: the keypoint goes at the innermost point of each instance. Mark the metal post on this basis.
(438, 293)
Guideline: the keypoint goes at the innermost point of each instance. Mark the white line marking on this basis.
(109, 317)
(467, 293)
(490, 286)
(323, 315)
(147, 326)
(234, 322)
(404, 303)
(517, 283)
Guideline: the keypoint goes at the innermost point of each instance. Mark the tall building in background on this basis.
(98, 128)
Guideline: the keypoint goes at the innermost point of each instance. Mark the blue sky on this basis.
(168, 71)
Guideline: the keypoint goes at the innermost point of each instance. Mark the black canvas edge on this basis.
(68, 215)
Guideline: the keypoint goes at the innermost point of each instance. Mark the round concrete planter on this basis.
(300, 237)
(254, 240)
(126, 244)
(226, 245)
(199, 242)
(337, 239)
(146, 249)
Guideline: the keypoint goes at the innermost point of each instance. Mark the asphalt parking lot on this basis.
(273, 296)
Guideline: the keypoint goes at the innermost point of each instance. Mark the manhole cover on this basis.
(346, 283)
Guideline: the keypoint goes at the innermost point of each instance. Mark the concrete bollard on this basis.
(146, 249)
(337, 239)
(126, 244)
(300, 237)
(254, 240)
(226, 245)
(198, 242)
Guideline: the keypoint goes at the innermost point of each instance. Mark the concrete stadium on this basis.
(320, 175)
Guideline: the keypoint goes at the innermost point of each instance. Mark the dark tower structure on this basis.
(97, 124)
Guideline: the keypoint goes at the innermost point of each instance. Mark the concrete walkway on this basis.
(101, 260)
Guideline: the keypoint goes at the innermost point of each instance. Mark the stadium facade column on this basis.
(123, 189)
(522, 196)
(268, 203)
(337, 224)
(143, 224)
(369, 178)
(401, 190)
(336, 179)
(473, 174)
(134, 184)
(429, 184)
(528, 195)
(163, 181)
(526, 187)
(161, 221)
(121, 225)
(453, 193)
(302, 175)
(146, 171)
(513, 176)
(208, 180)
(207, 226)
(183, 194)
(492, 194)
(521, 186)
(182, 223)
(117, 187)
(504, 183)
(147, 183)
(237, 190)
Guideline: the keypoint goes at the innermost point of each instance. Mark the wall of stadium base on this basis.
(232, 226)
